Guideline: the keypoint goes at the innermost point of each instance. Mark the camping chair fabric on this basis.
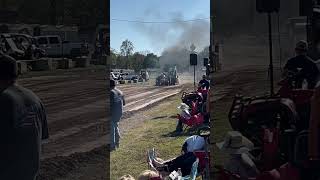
(194, 108)
(270, 148)
(193, 173)
(193, 121)
(201, 155)
(287, 171)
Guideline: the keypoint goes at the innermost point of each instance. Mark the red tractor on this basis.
(279, 127)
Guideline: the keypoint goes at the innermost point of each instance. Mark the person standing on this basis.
(23, 126)
(117, 102)
(204, 83)
(309, 69)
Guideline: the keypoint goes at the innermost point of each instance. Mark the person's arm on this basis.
(123, 100)
(111, 99)
(44, 122)
(289, 67)
(184, 148)
(28, 138)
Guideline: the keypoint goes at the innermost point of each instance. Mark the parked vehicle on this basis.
(130, 77)
(8, 46)
(112, 76)
(115, 76)
(29, 45)
(55, 47)
(144, 75)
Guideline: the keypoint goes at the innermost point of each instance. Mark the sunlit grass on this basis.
(131, 157)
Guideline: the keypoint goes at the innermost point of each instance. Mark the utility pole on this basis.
(270, 55)
(212, 46)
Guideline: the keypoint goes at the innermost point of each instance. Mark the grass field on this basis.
(130, 158)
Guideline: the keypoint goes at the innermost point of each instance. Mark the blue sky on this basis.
(157, 37)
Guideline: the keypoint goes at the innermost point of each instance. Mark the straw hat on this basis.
(235, 143)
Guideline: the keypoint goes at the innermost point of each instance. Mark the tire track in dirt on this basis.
(76, 108)
(77, 116)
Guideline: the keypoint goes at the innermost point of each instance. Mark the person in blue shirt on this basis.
(185, 160)
(116, 102)
(23, 125)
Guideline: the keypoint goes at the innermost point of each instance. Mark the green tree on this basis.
(151, 61)
(113, 58)
(126, 49)
(137, 61)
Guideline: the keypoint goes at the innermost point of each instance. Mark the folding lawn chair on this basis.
(194, 172)
(151, 156)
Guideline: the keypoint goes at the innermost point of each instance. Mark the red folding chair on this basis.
(288, 172)
(201, 155)
(270, 148)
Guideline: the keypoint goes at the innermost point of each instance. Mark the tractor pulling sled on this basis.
(168, 78)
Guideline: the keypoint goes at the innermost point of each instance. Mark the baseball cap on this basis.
(302, 46)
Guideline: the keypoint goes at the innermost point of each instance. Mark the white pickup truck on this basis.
(55, 47)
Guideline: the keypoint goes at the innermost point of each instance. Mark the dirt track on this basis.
(77, 118)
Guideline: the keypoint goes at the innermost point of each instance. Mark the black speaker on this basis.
(267, 6)
(205, 61)
(193, 59)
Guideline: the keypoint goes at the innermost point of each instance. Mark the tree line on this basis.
(128, 59)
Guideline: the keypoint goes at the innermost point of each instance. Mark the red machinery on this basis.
(289, 117)
(197, 104)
